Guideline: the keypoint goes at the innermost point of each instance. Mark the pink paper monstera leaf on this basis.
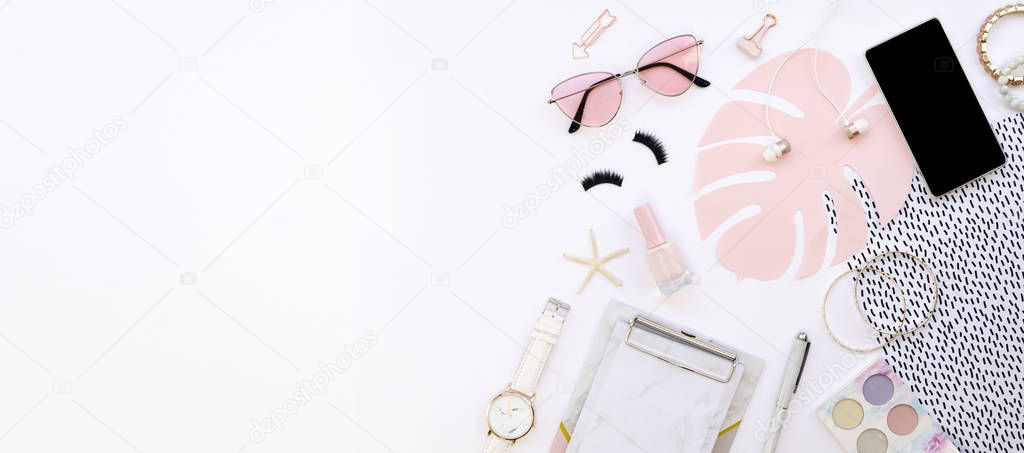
(790, 212)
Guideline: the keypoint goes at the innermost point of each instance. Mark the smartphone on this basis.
(935, 107)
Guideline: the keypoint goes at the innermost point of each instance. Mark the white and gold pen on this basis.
(790, 381)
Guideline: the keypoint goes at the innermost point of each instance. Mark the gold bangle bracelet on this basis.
(983, 36)
(935, 293)
(883, 339)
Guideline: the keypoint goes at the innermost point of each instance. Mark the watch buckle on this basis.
(557, 307)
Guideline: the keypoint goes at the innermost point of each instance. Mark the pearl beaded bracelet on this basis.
(1005, 76)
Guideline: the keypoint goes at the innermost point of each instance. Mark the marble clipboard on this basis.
(627, 400)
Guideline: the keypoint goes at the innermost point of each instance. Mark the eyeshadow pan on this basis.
(872, 441)
(902, 419)
(847, 414)
(878, 389)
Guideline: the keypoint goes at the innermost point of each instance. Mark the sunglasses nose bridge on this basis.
(627, 73)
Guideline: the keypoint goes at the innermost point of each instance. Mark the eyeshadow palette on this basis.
(877, 413)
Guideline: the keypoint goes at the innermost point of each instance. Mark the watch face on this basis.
(510, 415)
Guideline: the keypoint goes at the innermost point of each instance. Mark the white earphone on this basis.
(782, 146)
(857, 127)
(776, 150)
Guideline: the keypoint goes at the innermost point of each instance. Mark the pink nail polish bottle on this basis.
(663, 257)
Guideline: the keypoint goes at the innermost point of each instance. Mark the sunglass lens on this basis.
(669, 68)
(590, 99)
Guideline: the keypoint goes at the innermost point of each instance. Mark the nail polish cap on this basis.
(649, 225)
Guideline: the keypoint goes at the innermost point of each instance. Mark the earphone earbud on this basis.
(857, 127)
(776, 150)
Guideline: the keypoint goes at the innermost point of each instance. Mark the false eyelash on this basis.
(653, 143)
(601, 177)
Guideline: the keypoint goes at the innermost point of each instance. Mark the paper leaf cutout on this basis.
(764, 245)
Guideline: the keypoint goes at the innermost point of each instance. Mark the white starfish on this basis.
(596, 263)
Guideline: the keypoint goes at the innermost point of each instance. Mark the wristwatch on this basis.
(510, 413)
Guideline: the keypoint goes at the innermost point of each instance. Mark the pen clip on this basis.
(803, 362)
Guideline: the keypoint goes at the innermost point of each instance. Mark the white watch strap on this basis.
(496, 444)
(545, 336)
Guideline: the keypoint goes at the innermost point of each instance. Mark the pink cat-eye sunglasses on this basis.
(593, 99)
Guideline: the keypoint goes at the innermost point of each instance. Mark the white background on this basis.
(233, 111)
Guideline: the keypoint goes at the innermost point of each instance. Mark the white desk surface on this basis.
(293, 176)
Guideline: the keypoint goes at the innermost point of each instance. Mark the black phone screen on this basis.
(935, 107)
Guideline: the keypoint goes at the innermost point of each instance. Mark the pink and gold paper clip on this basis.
(752, 44)
(589, 37)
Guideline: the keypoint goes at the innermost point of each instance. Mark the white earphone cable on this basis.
(817, 81)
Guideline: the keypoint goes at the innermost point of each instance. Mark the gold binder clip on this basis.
(752, 44)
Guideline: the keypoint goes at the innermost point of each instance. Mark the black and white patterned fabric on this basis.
(966, 366)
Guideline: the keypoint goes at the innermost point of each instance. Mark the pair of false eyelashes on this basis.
(610, 177)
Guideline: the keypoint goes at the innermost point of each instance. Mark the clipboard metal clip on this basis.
(686, 339)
